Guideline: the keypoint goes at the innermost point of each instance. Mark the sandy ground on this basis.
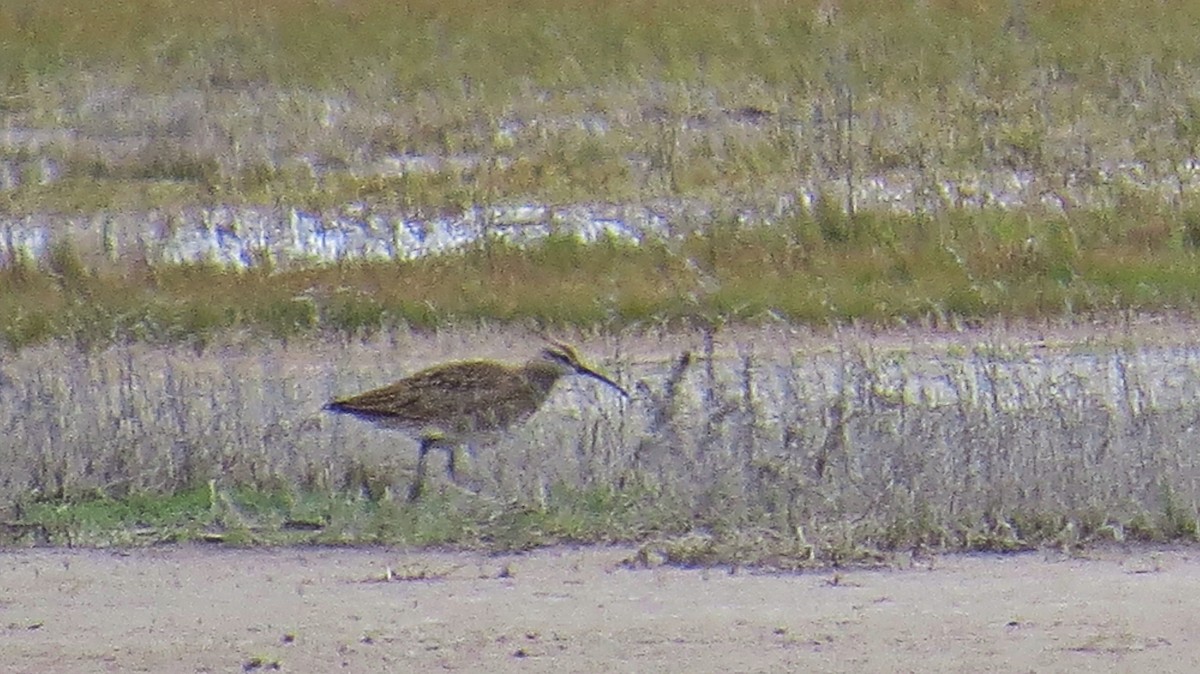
(197, 609)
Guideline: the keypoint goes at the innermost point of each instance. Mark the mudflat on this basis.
(192, 608)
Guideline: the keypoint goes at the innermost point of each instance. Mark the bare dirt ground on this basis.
(197, 609)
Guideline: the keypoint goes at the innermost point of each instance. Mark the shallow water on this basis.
(243, 237)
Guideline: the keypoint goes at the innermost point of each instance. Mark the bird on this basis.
(448, 405)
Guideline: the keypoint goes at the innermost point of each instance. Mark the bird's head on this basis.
(565, 357)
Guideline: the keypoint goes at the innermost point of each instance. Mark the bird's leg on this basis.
(464, 452)
(418, 485)
(452, 462)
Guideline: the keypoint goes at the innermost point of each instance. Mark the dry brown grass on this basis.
(832, 450)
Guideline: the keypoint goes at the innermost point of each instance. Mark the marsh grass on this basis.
(756, 449)
(304, 102)
(816, 268)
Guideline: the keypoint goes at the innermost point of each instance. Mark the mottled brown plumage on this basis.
(451, 404)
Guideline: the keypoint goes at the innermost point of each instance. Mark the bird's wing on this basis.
(438, 393)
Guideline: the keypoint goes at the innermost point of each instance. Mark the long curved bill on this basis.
(599, 377)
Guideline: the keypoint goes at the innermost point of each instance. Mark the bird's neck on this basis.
(542, 376)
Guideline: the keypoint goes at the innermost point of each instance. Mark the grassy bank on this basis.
(820, 269)
(763, 448)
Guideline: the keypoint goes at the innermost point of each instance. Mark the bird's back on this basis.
(457, 399)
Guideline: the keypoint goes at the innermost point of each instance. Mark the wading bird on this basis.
(452, 404)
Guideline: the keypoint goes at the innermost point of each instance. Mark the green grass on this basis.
(574, 101)
(663, 532)
(565, 45)
(245, 516)
(882, 269)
